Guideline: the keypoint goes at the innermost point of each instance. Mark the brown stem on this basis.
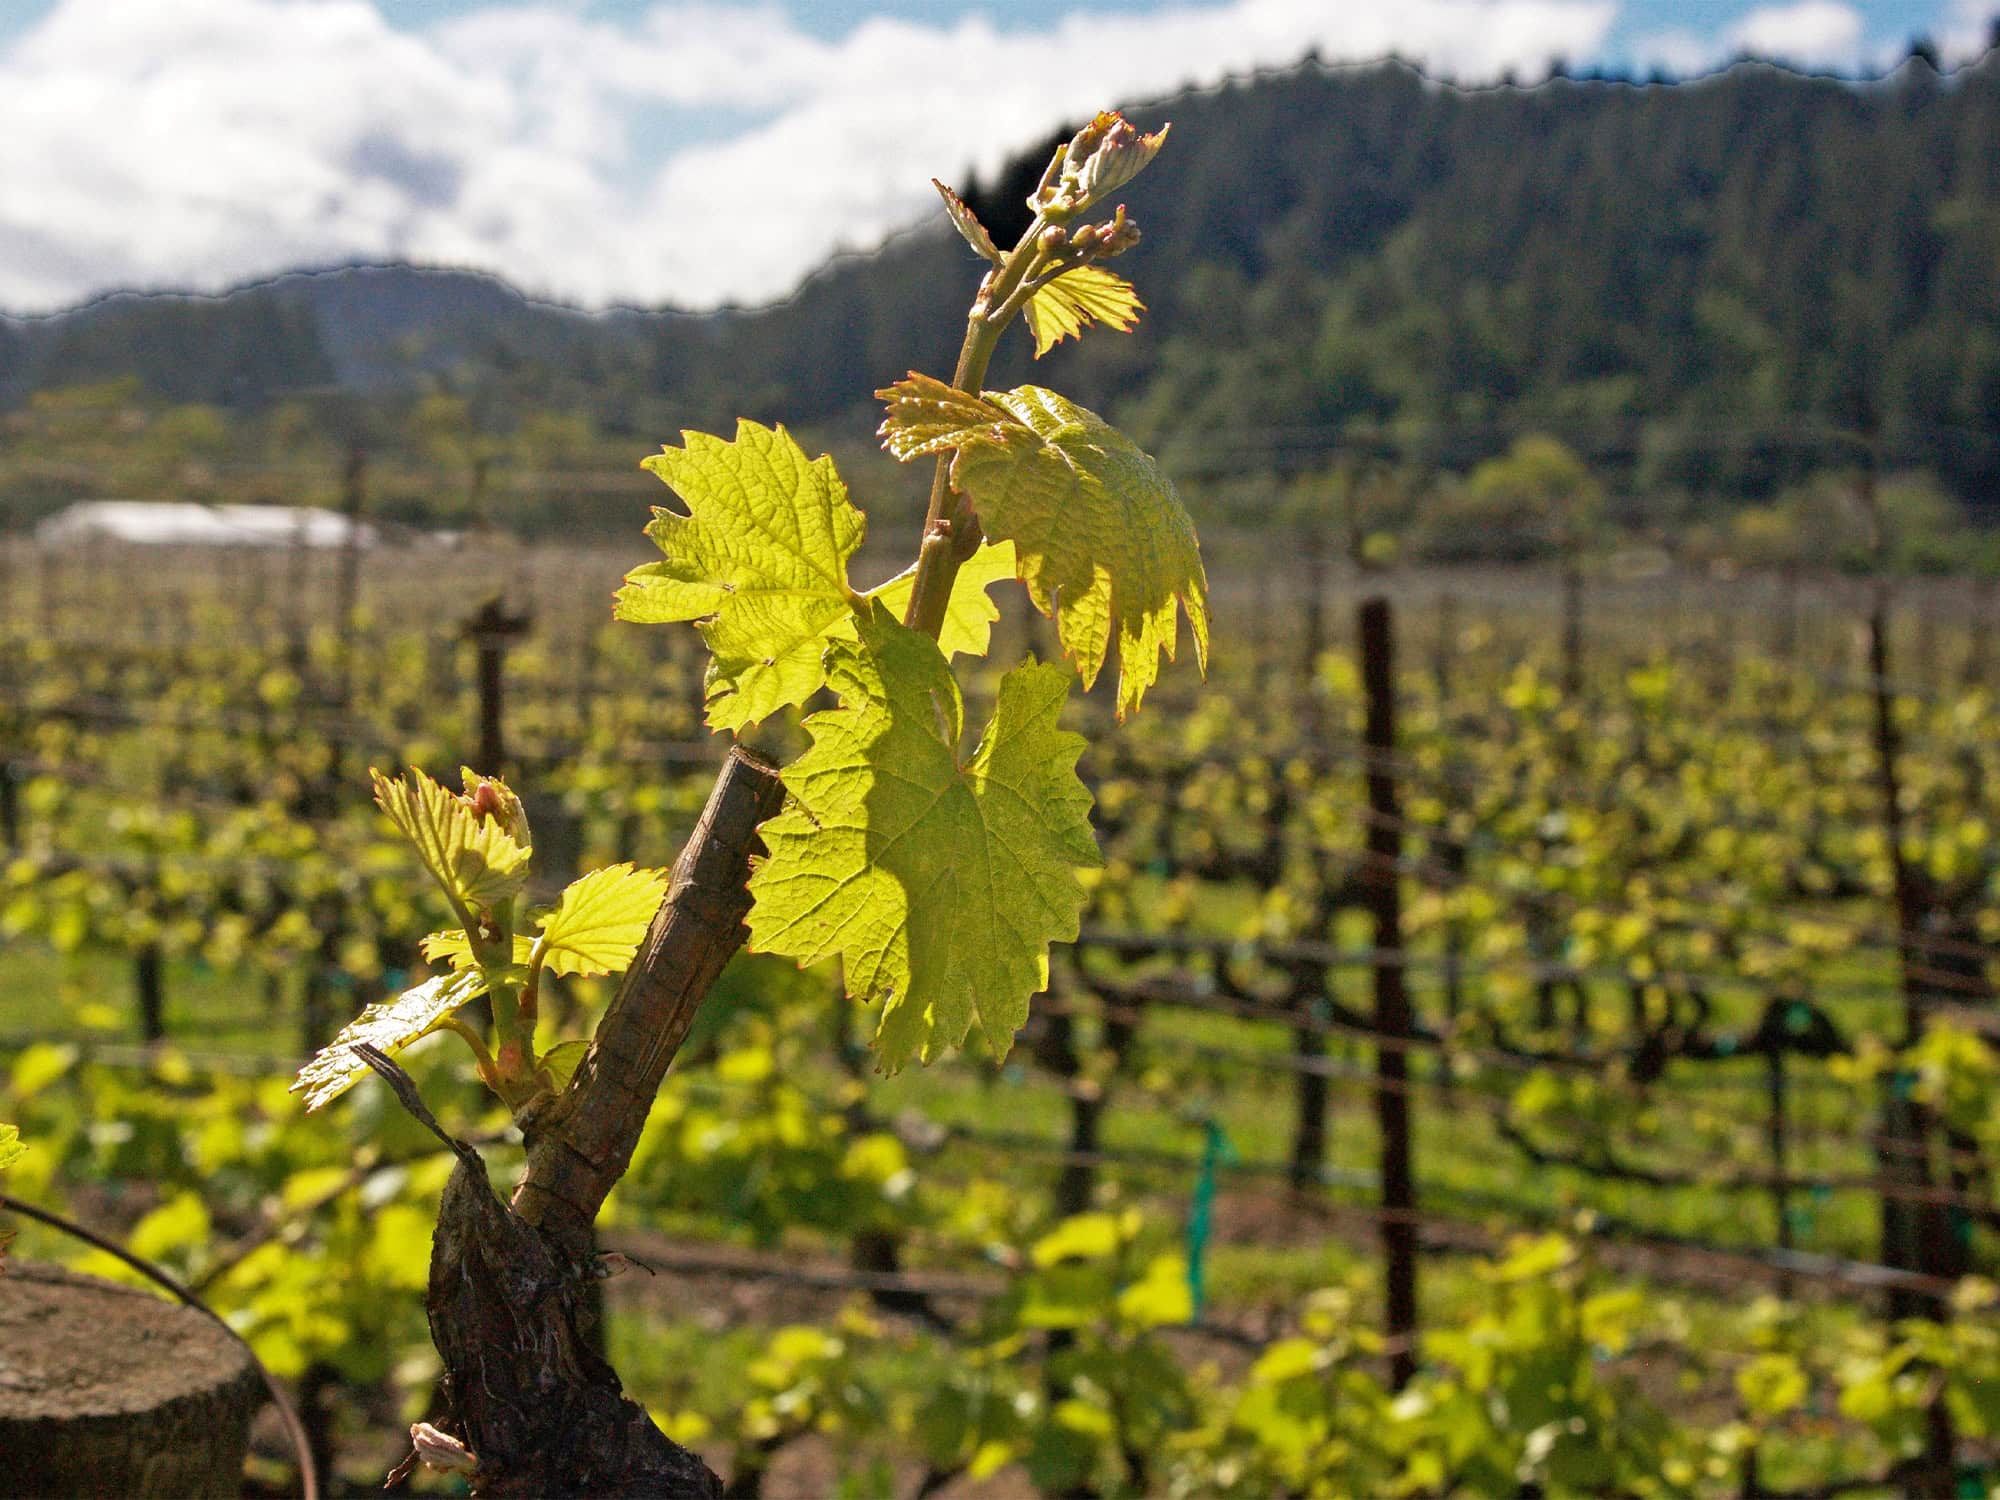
(937, 570)
(951, 531)
(581, 1146)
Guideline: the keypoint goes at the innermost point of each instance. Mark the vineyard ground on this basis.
(707, 1318)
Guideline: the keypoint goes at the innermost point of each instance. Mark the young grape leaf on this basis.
(759, 562)
(967, 223)
(490, 797)
(1102, 540)
(391, 1026)
(600, 920)
(928, 417)
(1076, 299)
(477, 860)
(562, 1061)
(939, 882)
(455, 948)
(969, 617)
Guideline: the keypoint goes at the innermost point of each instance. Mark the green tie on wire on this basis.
(1216, 1153)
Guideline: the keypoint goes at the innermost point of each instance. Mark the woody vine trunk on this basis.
(540, 1412)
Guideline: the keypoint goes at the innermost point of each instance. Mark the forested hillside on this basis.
(1703, 288)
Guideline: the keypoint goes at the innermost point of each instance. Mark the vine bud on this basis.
(1053, 239)
(1120, 235)
(490, 798)
(1103, 156)
(441, 1451)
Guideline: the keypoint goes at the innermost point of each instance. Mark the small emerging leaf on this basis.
(969, 617)
(490, 797)
(1102, 539)
(759, 561)
(391, 1026)
(967, 223)
(928, 417)
(940, 882)
(1076, 299)
(10, 1145)
(600, 920)
(477, 861)
(562, 1060)
(1100, 159)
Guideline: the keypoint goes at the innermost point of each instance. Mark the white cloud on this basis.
(1677, 53)
(1811, 33)
(198, 145)
(1964, 27)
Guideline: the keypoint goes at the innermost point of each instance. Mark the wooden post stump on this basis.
(108, 1390)
(493, 631)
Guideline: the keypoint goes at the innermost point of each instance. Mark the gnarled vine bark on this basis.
(509, 1296)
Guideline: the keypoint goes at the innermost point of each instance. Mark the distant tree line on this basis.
(1710, 295)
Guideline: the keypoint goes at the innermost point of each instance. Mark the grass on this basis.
(93, 994)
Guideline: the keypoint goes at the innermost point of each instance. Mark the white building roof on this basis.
(172, 523)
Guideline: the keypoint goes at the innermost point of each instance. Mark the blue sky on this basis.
(685, 151)
(1887, 23)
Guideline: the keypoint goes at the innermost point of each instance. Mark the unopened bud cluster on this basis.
(1102, 241)
(491, 800)
(1098, 160)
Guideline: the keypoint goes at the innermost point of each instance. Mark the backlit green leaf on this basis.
(1102, 540)
(969, 617)
(391, 1026)
(1092, 1236)
(455, 948)
(1288, 1359)
(939, 882)
(39, 1065)
(1075, 1294)
(180, 1223)
(759, 561)
(1160, 1298)
(1772, 1385)
(1530, 1257)
(1075, 300)
(562, 1061)
(398, 1253)
(600, 920)
(476, 859)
